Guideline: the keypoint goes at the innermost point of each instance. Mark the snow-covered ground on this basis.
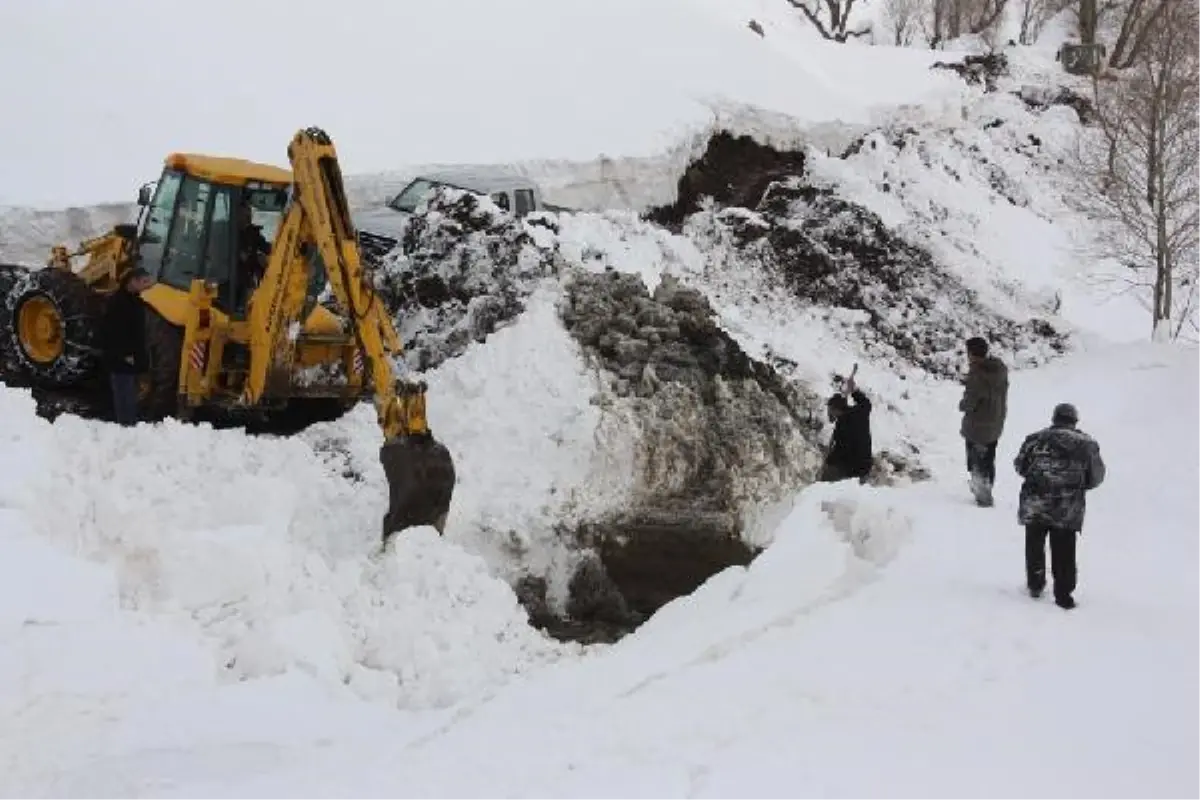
(189, 612)
(882, 646)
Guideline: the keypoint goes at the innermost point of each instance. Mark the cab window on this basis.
(183, 259)
(218, 264)
(157, 226)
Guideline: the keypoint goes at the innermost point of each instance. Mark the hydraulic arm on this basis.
(317, 231)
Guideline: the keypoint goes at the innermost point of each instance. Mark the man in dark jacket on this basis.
(850, 447)
(253, 250)
(1060, 464)
(123, 336)
(985, 406)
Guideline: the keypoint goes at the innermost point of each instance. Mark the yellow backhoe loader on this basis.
(241, 254)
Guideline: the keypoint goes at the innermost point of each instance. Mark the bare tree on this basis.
(1140, 175)
(904, 19)
(1089, 21)
(954, 18)
(1034, 16)
(831, 18)
(1139, 21)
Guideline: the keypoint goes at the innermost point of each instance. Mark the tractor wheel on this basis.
(158, 395)
(50, 321)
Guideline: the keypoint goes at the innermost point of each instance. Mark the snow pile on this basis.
(535, 453)
(719, 430)
(687, 334)
(987, 195)
(463, 268)
(888, 294)
(263, 548)
(26, 234)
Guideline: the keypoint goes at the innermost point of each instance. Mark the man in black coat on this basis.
(1060, 465)
(123, 336)
(850, 447)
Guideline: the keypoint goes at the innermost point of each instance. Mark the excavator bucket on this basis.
(420, 476)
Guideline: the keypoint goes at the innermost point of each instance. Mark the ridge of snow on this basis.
(402, 95)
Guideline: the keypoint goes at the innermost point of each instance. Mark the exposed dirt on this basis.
(980, 70)
(1039, 99)
(835, 254)
(733, 171)
(462, 270)
(720, 433)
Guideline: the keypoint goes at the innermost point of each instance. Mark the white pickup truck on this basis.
(380, 228)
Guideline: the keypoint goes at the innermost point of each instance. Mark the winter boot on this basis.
(1035, 592)
(982, 490)
(1064, 601)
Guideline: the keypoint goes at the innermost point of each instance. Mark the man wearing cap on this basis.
(984, 405)
(1060, 464)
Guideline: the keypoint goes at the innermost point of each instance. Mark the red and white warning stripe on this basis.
(359, 364)
(198, 355)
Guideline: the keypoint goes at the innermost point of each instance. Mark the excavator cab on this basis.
(214, 220)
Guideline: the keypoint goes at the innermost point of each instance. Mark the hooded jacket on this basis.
(985, 401)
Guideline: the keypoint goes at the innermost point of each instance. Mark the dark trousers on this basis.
(981, 461)
(1062, 558)
(124, 397)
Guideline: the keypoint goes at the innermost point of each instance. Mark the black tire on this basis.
(160, 385)
(79, 311)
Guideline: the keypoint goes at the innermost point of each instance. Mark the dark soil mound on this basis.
(462, 270)
(1039, 99)
(839, 255)
(733, 171)
(982, 70)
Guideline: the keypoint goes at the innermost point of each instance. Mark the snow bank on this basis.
(535, 453)
(433, 84)
(111, 701)
(261, 546)
(987, 195)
